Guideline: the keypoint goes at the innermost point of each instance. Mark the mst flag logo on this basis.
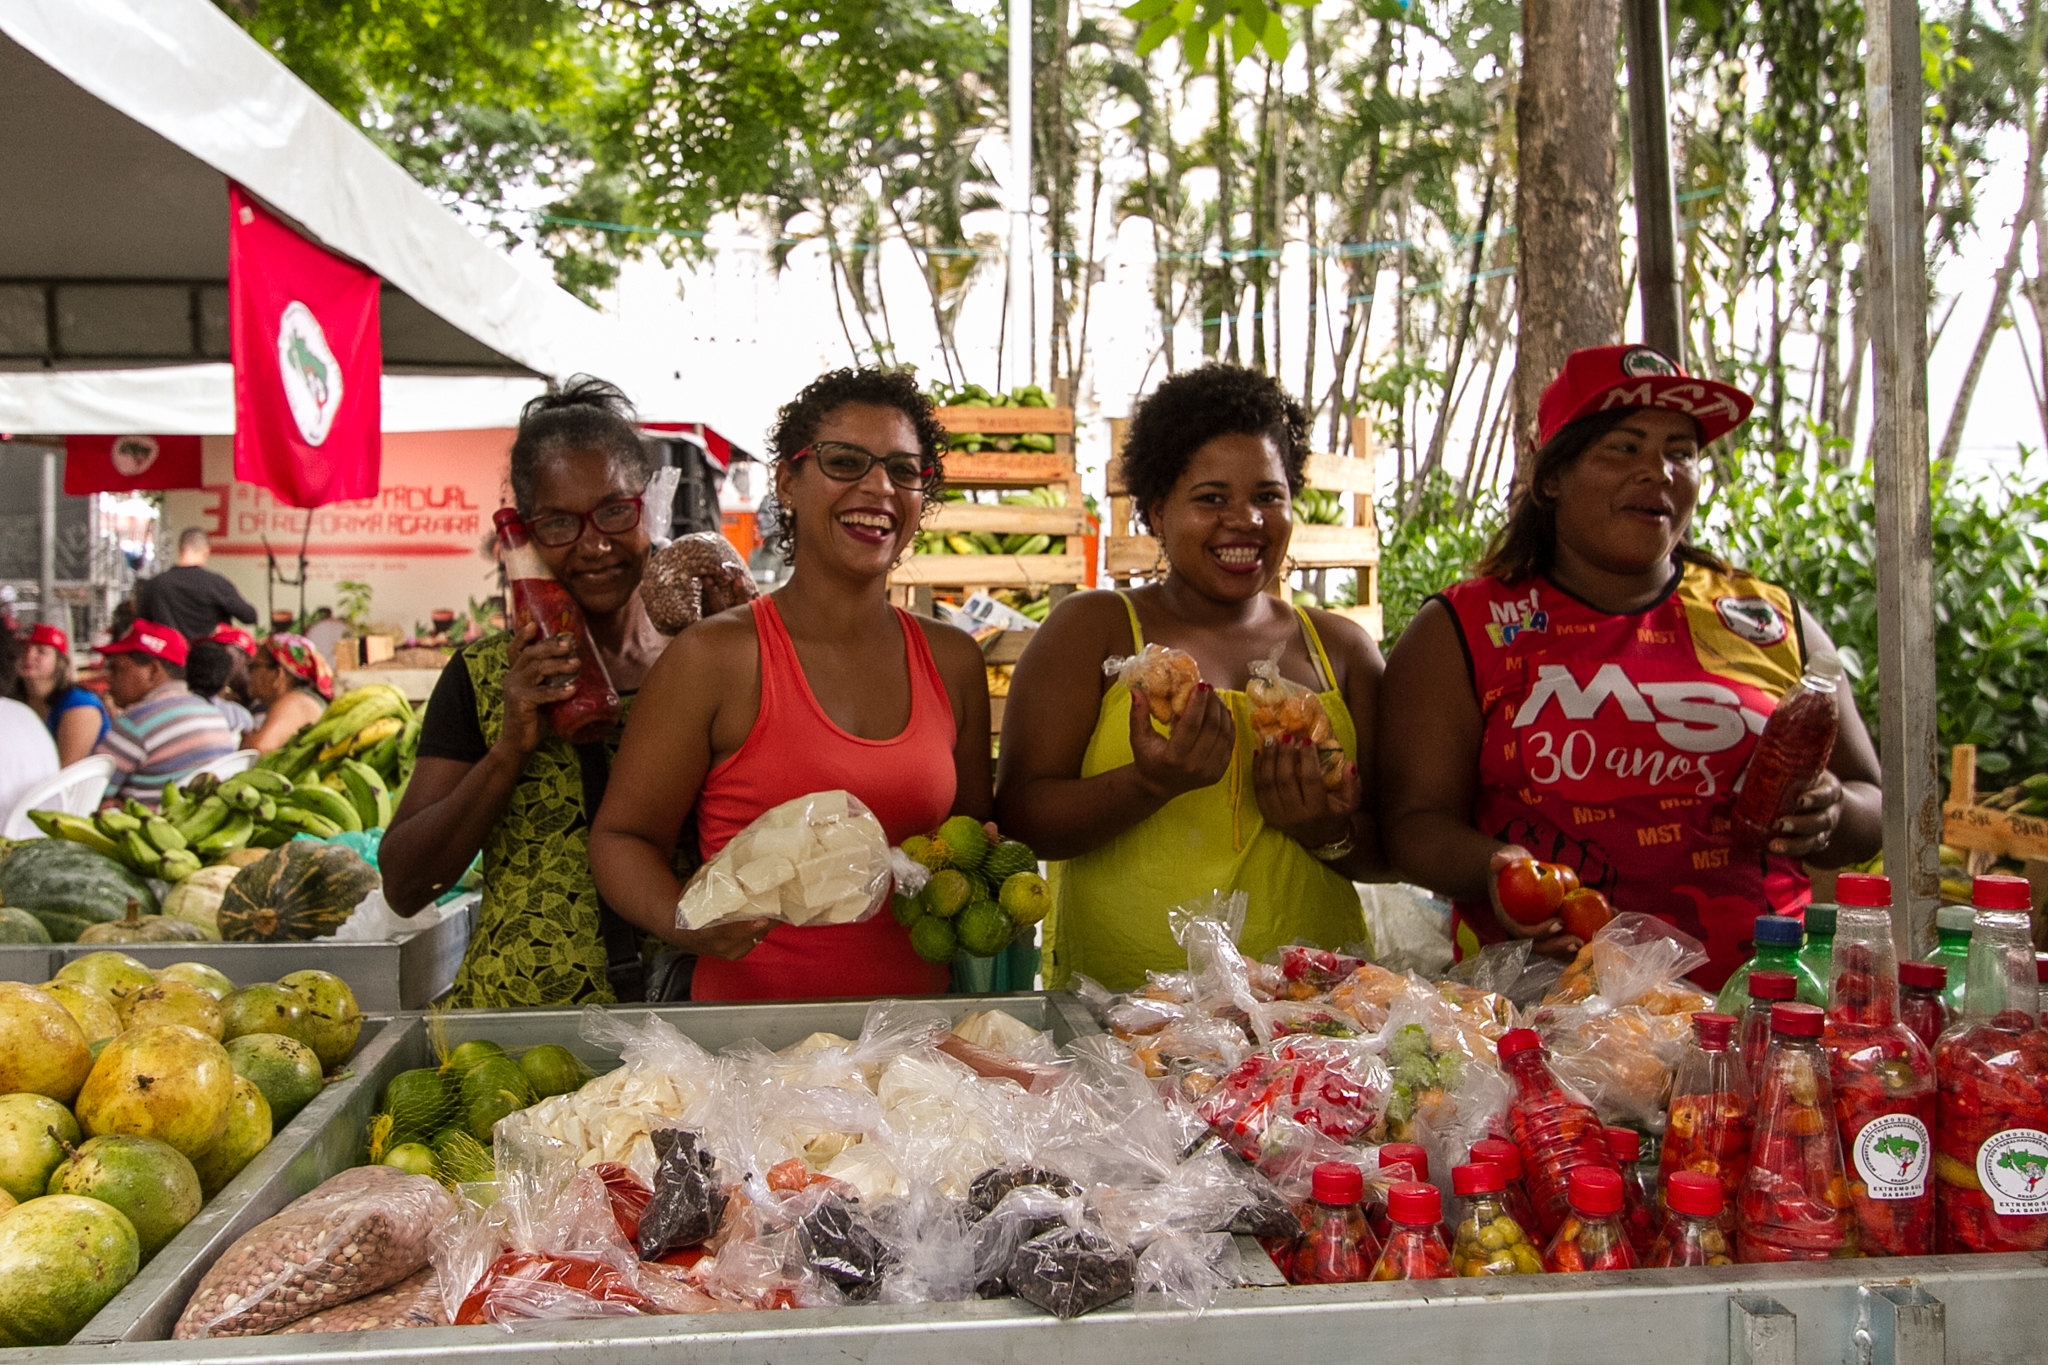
(303, 333)
(120, 464)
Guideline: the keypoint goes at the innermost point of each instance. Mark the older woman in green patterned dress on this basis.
(492, 775)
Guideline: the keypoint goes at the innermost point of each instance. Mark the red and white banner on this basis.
(123, 464)
(302, 332)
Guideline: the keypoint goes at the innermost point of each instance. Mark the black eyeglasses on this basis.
(566, 528)
(848, 463)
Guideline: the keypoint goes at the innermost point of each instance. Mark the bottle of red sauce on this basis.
(535, 596)
(1792, 751)
(1920, 1006)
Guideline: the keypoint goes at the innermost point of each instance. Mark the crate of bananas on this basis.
(971, 396)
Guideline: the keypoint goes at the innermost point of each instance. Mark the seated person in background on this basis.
(292, 680)
(27, 753)
(163, 732)
(75, 715)
(208, 666)
(241, 651)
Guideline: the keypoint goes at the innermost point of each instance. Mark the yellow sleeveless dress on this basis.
(1109, 906)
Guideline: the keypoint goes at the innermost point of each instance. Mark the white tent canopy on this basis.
(126, 118)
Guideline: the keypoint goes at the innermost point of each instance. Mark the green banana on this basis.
(173, 800)
(163, 836)
(78, 830)
(271, 837)
(227, 838)
(265, 781)
(243, 796)
(266, 810)
(382, 755)
(961, 544)
(1034, 545)
(178, 865)
(138, 810)
(367, 792)
(987, 541)
(115, 823)
(201, 818)
(138, 854)
(297, 819)
(46, 821)
(324, 802)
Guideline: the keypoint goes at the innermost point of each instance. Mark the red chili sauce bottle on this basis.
(594, 708)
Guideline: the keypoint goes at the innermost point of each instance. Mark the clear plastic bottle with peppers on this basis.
(1777, 939)
(1488, 1240)
(1991, 1122)
(1708, 1128)
(1920, 1006)
(1398, 1161)
(1639, 1208)
(1415, 1247)
(1515, 1192)
(1883, 1078)
(1696, 1231)
(1794, 1204)
(1591, 1236)
(1556, 1131)
(1336, 1246)
(1766, 990)
(1953, 925)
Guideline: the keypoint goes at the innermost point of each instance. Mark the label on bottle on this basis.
(1892, 1156)
(2012, 1166)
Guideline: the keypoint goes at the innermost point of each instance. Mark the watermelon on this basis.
(303, 890)
(19, 926)
(67, 887)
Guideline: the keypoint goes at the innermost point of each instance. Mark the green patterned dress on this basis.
(537, 940)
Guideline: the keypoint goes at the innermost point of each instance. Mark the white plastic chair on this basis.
(76, 790)
(240, 761)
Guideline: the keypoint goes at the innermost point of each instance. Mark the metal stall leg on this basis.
(1908, 1325)
(1761, 1331)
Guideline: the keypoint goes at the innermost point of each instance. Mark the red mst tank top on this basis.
(1612, 742)
(793, 750)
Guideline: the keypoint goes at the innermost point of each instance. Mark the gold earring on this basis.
(1161, 565)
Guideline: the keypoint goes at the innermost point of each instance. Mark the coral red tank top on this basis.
(795, 749)
(1612, 744)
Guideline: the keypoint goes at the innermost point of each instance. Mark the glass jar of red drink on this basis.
(1488, 1240)
(1920, 988)
(1791, 752)
(1415, 1247)
(594, 708)
(1696, 1229)
(1336, 1246)
(1991, 1122)
(1502, 1153)
(1555, 1131)
(1883, 1078)
(1591, 1236)
(1794, 1203)
(1638, 1188)
(1766, 989)
(1707, 1130)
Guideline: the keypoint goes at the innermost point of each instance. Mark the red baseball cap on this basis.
(43, 633)
(1603, 378)
(235, 638)
(147, 637)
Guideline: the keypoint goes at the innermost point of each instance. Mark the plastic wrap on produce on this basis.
(1070, 1271)
(1620, 1018)
(819, 859)
(1448, 1088)
(664, 1080)
(1208, 929)
(1336, 1086)
(1410, 929)
(1182, 1273)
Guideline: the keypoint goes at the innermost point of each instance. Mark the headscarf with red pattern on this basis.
(301, 658)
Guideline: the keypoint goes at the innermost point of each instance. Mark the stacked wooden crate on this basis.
(1128, 553)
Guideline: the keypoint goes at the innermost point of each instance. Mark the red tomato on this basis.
(1584, 912)
(1530, 892)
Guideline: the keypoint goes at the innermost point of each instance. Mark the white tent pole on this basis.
(46, 600)
(1019, 348)
(1895, 272)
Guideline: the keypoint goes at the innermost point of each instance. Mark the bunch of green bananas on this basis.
(374, 724)
(2028, 796)
(1317, 507)
(143, 840)
(986, 543)
(975, 396)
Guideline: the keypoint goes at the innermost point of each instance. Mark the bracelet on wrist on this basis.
(1330, 853)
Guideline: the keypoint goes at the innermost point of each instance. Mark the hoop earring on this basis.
(1161, 565)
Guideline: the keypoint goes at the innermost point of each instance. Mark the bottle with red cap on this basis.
(1555, 1131)
(1883, 1078)
(1696, 1231)
(1790, 754)
(1397, 1161)
(1514, 1193)
(1638, 1189)
(1991, 1120)
(594, 708)
(1591, 1236)
(1488, 1240)
(1766, 989)
(1867, 890)
(1920, 1006)
(1707, 1130)
(1336, 1246)
(1794, 1202)
(1415, 1247)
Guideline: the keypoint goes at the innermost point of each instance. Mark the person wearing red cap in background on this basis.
(1591, 696)
(241, 651)
(27, 753)
(75, 715)
(163, 732)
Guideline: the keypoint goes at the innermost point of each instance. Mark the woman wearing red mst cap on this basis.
(75, 716)
(1591, 696)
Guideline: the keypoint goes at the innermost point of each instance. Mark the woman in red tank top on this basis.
(821, 686)
(1592, 695)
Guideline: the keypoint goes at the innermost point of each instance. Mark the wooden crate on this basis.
(1002, 649)
(1129, 553)
(1988, 834)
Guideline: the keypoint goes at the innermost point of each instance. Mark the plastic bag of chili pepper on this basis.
(1708, 1128)
(1336, 1086)
(1884, 1090)
(1591, 1236)
(1991, 1122)
(1794, 1202)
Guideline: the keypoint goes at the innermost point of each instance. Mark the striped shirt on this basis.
(165, 736)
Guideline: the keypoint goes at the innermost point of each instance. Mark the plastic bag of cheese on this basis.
(820, 859)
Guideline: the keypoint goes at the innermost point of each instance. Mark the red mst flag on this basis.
(302, 331)
(121, 464)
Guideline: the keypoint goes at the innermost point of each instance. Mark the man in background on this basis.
(162, 732)
(209, 665)
(189, 597)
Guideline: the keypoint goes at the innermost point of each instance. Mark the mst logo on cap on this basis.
(1638, 361)
(1604, 378)
(148, 637)
(312, 376)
